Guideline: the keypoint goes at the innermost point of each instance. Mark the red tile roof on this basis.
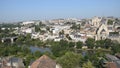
(111, 65)
(43, 62)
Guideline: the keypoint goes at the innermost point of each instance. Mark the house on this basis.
(35, 35)
(117, 55)
(57, 39)
(44, 62)
(3, 28)
(111, 65)
(27, 30)
(78, 37)
(12, 62)
(113, 61)
(15, 62)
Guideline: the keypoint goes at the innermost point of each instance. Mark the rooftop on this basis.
(44, 62)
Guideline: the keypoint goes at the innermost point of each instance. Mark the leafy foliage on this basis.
(90, 42)
(110, 22)
(70, 60)
(88, 65)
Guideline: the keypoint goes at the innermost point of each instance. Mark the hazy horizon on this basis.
(23, 10)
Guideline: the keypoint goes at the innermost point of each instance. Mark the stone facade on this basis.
(103, 29)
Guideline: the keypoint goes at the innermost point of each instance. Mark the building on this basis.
(113, 61)
(103, 30)
(12, 62)
(44, 62)
(27, 30)
(27, 22)
(96, 21)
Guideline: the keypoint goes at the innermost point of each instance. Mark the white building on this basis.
(78, 37)
(28, 22)
(27, 30)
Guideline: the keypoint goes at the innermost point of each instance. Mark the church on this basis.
(106, 28)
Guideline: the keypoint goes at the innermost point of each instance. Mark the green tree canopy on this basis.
(90, 42)
(79, 44)
(88, 65)
(70, 60)
(37, 54)
(110, 22)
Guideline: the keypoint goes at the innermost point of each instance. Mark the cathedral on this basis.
(105, 30)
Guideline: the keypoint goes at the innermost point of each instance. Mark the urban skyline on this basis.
(21, 10)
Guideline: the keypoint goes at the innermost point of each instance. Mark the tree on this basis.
(41, 24)
(110, 22)
(116, 48)
(58, 50)
(67, 23)
(28, 59)
(37, 54)
(79, 44)
(71, 44)
(70, 60)
(90, 42)
(99, 43)
(75, 26)
(20, 39)
(37, 42)
(61, 33)
(37, 29)
(28, 37)
(63, 43)
(104, 43)
(88, 65)
(48, 28)
(108, 43)
(117, 20)
(68, 37)
(83, 23)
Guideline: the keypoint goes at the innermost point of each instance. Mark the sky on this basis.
(23, 10)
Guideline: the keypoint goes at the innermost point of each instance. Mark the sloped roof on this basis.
(43, 62)
(111, 65)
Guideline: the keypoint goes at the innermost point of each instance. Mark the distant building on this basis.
(103, 30)
(96, 21)
(27, 22)
(27, 30)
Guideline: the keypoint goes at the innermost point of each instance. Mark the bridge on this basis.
(12, 39)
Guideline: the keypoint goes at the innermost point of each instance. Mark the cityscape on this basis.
(66, 39)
